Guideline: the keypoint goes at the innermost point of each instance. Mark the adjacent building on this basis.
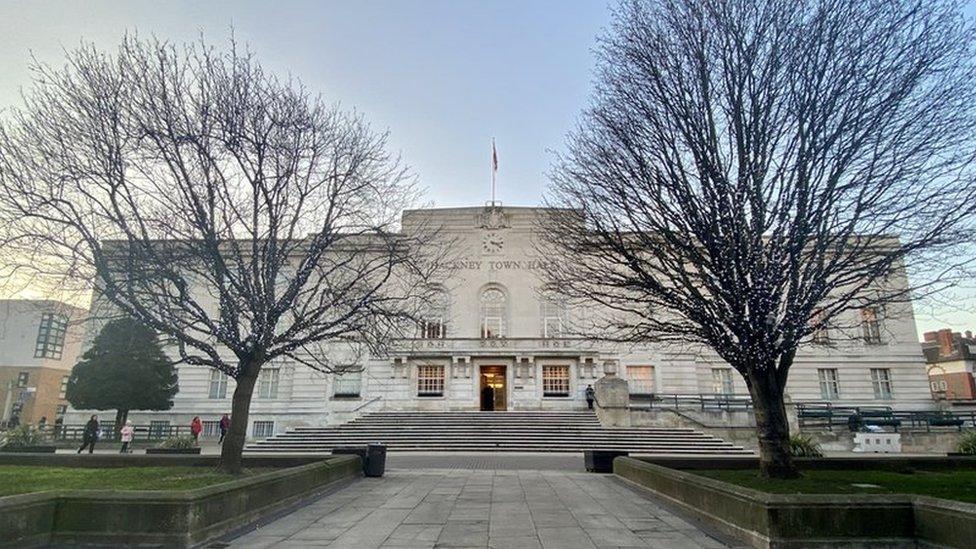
(493, 342)
(951, 359)
(40, 341)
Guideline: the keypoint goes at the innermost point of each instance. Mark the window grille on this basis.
(722, 381)
(555, 381)
(348, 384)
(262, 429)
(881, 380)
(430, 380)
(641, 379)
(218, 384)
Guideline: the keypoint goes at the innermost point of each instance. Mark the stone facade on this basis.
(40, 342)
(495, 331)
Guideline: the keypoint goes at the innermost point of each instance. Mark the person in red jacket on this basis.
(196, 427)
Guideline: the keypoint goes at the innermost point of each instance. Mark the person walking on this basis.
(58, 427)
(89, 435)
(590, 396)
(126, 433)
(224, 427)
(196, 427)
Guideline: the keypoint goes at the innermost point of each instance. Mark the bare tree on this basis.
(229, 210)
(751, 171)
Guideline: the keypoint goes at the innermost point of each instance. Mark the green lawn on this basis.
(958, 485)
(18, 479)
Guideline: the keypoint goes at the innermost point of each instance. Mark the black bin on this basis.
(375, 460)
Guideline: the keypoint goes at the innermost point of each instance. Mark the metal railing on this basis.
(828, 415)
(141, 433)
(702, 402)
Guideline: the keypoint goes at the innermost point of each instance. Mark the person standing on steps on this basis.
(126, 433)
(590, 396)
(89, 435)
(224, 427)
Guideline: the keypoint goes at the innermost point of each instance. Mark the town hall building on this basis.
(494, 342)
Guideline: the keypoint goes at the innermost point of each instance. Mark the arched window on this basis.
(494, 310)
(433, 323)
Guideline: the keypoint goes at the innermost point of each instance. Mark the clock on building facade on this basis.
(492, 242)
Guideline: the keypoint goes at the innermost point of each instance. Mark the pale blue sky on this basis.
(443, 77)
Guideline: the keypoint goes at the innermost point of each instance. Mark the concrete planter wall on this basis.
(814, 520)
(172, 519)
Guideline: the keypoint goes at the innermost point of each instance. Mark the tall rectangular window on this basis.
(262, 429)
(870, 325)
(641, 379)
(64, 387)
(881, 381)
(348, 384)
(23, 378)
(50, 336)
(268, 383)
(555, 381)
(433, 327)
(829, 387)
(821, 332)
(553, 316)
(430, 380)
(218, 384)
(722, 381)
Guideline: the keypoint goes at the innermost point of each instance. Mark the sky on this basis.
(443, 77)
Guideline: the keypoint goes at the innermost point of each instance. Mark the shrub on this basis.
(967, 444)
(179, 443)
(801, 446)
(24, 435)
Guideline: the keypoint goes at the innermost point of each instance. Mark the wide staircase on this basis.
(516, 431)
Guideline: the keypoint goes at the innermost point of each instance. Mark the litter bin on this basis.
(353, 450)
(375, 460)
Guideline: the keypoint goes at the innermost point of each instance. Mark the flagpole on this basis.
(491, 162)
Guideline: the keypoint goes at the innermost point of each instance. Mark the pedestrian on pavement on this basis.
(196, 427)
(89, 435)
(224, 427)
(127, 432)
(58, 427)
(42, 423)
(590, 396)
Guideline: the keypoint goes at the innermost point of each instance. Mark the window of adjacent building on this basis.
(641, 379)
(22, 379)
(262, 429)
(348, 384)
(722, 381)
(555, 381)
(494, 309)
(829, 388)
(50, 336)
(268, 383)
(433, 323)
(211, 429)
(553, 318)
(60, 410)
(64, 387)
(218, 384)
(430, 380)
(158, 429)
(870, 325)
(881, 380)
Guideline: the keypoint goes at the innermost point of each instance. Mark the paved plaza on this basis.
(498, 508)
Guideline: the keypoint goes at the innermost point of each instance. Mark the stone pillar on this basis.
(612, 398)
(791, 416)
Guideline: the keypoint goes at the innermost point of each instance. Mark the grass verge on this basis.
(22, 479)
(955, 485)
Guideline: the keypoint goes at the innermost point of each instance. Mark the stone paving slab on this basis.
(500, 509)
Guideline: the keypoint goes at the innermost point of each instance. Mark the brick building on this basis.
(40, 341)
(951, 359)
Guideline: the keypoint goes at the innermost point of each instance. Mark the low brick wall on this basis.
(809, 520)
(159, 518)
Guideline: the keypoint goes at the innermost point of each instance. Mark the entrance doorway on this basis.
(494, 394)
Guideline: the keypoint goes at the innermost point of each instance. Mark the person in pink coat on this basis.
(126, 434)
(196, 427)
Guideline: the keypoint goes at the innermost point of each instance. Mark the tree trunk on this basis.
(120, 417)
(231, 458)
(772, 426)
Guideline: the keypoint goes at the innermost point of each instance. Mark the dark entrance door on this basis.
(493, 395)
